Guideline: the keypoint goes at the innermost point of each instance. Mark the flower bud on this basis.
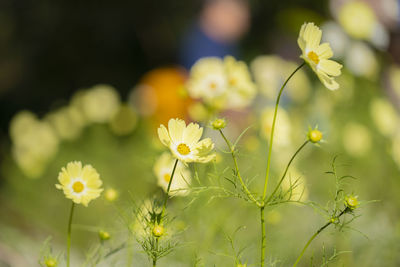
(158, 230)
(50, 262)
(104, 235)
(351, 202)
(218, 124)
(314, 136)
(111, 194)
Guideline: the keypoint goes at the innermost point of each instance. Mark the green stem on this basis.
(273, 129)
(263, 236)
(314, 236)
(69, 233)
(168, 188)
(286, 170)
(271, 141)
(247, 191)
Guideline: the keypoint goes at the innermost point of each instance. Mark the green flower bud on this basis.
(104, 235)
(351, 202)
(50, 262)
(158, 230)
(218, 124)
(314, 136)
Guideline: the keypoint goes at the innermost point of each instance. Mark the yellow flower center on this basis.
(313, 56)
(183, 149)
(167, 177)
(213, 86)
(232, 82)
(78, 187)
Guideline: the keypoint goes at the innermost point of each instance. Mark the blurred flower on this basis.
(384, 116)
(34, 143)
(181, 180)
(357, 19)
(273, 217)
(124, 121)
(271, 71)
(110, 194)
(282, 127)
(159, 95)
(241, 89)
(361, 60)
(100, 103)
(183, 141)
(356, 139)
(222, 84)
(79, 184)
(317, 55)
(66, 122)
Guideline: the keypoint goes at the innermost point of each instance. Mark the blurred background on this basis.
(92, 80)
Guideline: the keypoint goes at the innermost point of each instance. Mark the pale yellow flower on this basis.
(100, 103)
(317, 55)
(295, 184)
(357, 140)
(79, 184)
(184, 141)
(283, 128)
(384, 116)
(241, 89)
(221, 83)
(163, 169)
(357, 19)
(66, 122)
(208, 80)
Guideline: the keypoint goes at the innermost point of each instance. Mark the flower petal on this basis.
(192, 134)
(324, 51)
(175, 129)
(330, 67)
(328, 81)
(163, 135)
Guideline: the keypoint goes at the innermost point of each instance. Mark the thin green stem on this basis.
(286, 170)
(247, 191)
(263, 236)
(271, 139)
(168, 188)
(69, 233)
(315, 235)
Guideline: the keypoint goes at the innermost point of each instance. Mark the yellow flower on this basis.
(80, 184)
(184, 141)
(351, 202)
(317, 55)
(181, 180)
(283, 128)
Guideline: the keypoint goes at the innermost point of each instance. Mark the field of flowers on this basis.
(262, 162)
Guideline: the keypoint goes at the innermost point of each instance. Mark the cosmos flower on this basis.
(79, 184)
(163, 168)
(184, 141)
(317, 55)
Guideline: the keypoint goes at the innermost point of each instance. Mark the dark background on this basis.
(49, 49)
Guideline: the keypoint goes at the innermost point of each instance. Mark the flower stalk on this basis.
(262, 215)
(316, 234)
(69, 233)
